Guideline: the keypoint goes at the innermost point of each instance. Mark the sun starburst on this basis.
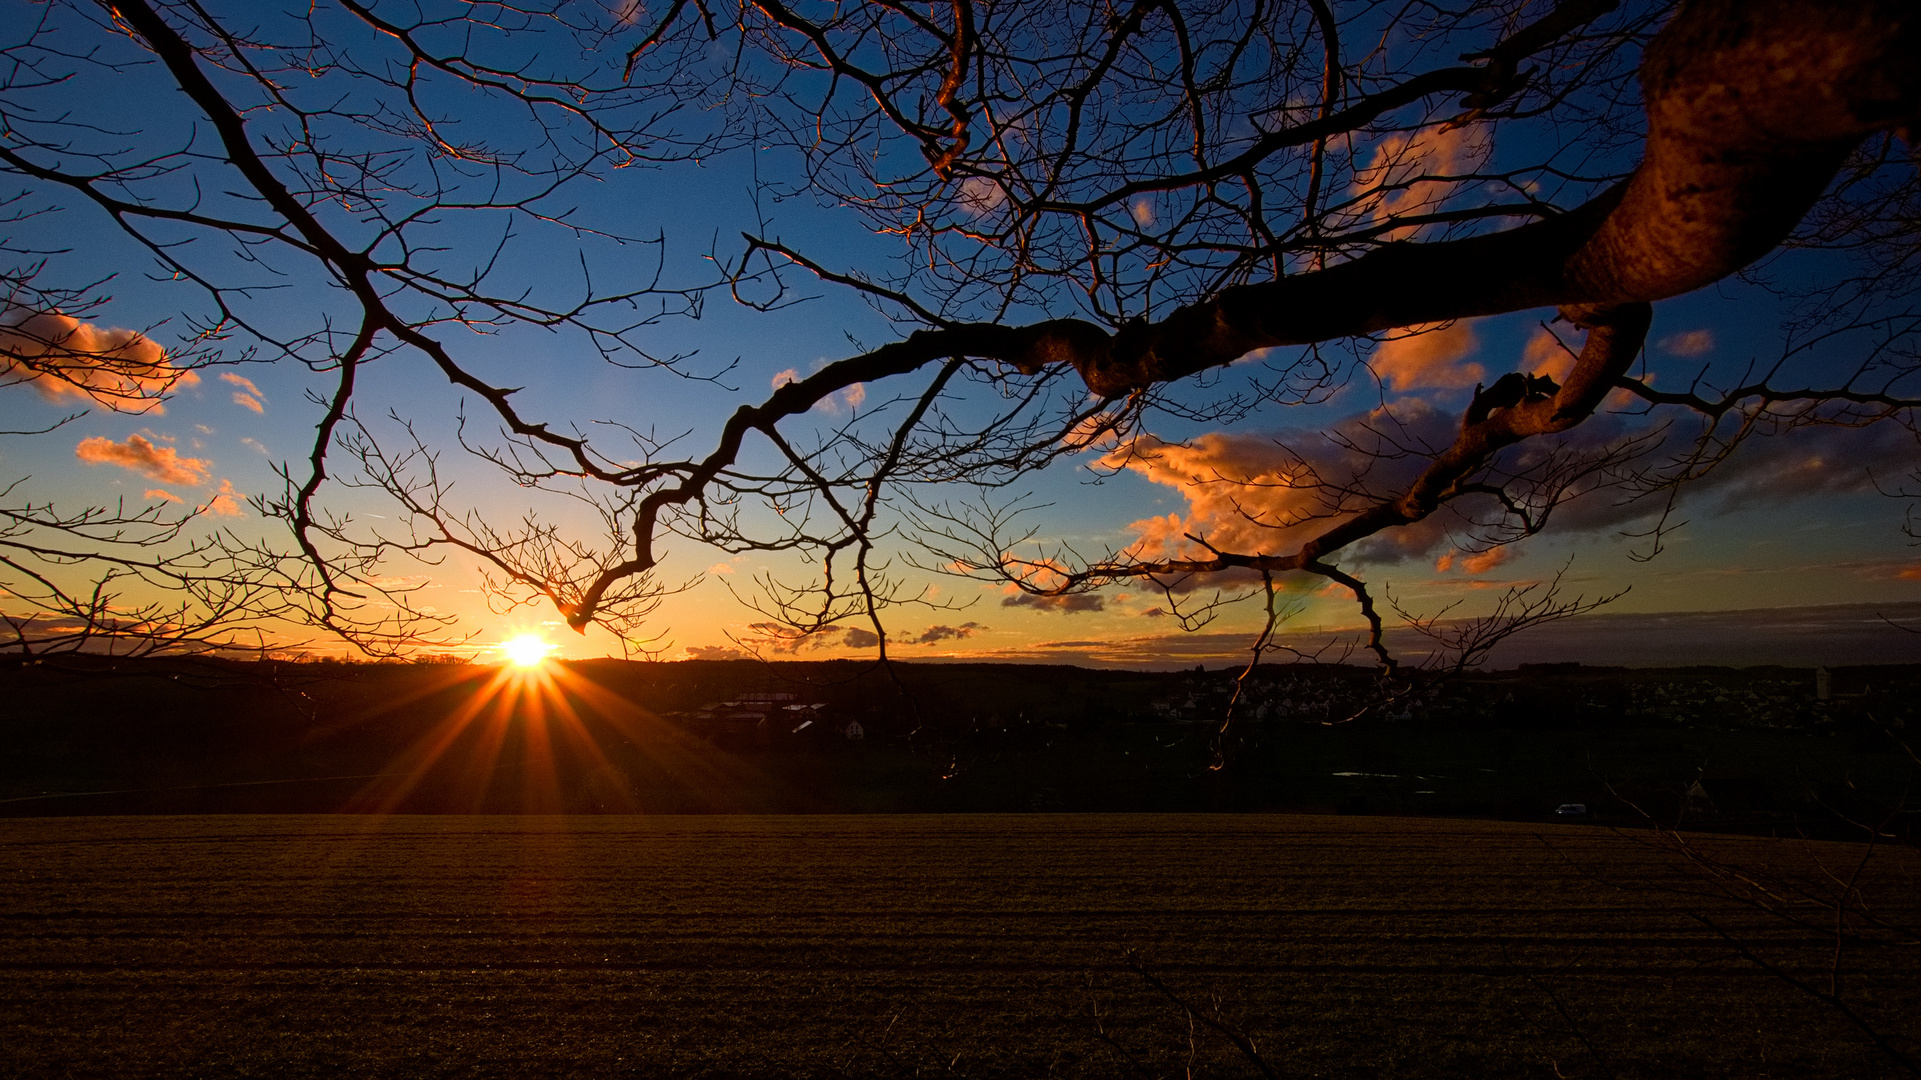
(526, 650)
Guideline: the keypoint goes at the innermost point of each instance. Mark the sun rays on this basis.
(532, 735)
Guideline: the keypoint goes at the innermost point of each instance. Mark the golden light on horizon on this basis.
(526, 650)
(520, 736)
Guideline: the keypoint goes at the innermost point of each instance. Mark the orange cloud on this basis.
(1265, 493)
(1483, 561)
(249, 395)
(1546, 354)
(162, 463)
(1394, 183)
(1239, 490)
(242, 382)
(161, 494)
(66, 359)
(1251, 494)
(846, 399)
(1428, 355)
(1475, 562)
(1912, 573)
(226, 502)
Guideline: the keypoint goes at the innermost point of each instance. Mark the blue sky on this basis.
(1756, 551)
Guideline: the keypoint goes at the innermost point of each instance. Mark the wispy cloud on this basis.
(779, 639)
(248, 396)
(1798, 637)
(850, 397)
(1069, 604)
(1250, 492)
(712, 652)
(1408, 172)
(1473, 562)
(1688, 343)
(980, 196)
(934, 635)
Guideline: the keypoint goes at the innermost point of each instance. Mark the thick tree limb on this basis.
(1614, 339)
(1752, 107)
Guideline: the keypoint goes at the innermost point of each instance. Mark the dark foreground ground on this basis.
(969, 946)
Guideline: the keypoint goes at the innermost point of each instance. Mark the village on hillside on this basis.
(1755, 748)
(1535, 695)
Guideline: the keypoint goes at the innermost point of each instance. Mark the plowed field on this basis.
(973, 946)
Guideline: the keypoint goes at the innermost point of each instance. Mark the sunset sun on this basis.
(526, 650)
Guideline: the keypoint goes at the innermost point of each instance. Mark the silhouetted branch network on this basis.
(1094, 214)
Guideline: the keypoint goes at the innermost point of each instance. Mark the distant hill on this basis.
(88, 735)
